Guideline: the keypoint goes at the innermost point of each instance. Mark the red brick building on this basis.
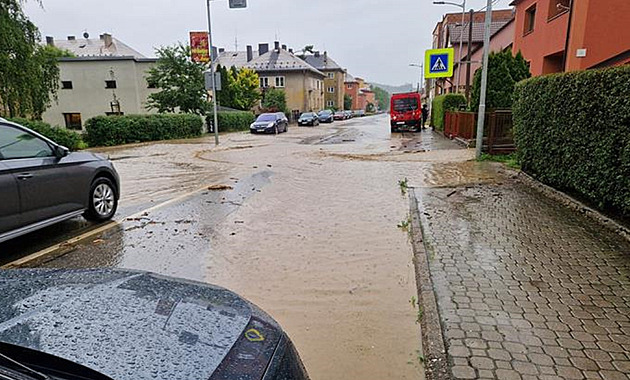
(570, 35)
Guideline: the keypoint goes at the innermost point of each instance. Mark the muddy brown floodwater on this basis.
(316, 244)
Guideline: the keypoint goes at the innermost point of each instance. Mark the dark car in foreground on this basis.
(275, 122)
(325, 116)
(308, 118)
(127, 325)
(43, 183)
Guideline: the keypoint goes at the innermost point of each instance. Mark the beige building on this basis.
(278, 68)
(334, 88)
(106, 77)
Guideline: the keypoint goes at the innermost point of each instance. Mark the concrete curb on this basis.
(436, 360)
(574, 204)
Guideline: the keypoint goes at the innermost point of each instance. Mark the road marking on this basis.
(109, 225)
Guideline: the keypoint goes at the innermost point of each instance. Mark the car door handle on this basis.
(24, 176)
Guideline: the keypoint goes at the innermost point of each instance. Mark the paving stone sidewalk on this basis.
(526, 288)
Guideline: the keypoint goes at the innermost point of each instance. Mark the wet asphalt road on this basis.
(304, 224)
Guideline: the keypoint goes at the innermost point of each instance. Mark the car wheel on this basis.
(103, 201)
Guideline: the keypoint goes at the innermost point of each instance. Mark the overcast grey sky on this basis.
(373, 39)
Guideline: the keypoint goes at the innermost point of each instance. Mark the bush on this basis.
(70, 139)
(232, 120)
(443, 103)
(573, 133)
(116, 130)
(504, 71)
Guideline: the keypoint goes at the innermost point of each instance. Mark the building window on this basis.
(331, 75)
(349, 87)
(331, 90)
(110, 84)
(330, 103)
(264, 82)
(73, 120)
(319, 84)
(279, 81)
(530, 19)
(66, 84)
(558, 7)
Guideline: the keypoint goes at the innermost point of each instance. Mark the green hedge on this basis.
(116, 130)
(68, 138)
(573, 133)
(233, 120)
(443, 103)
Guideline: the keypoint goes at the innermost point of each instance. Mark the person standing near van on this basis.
(425, 115)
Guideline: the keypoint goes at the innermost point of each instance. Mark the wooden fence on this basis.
(497, 138)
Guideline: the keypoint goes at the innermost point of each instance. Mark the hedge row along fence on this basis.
(117, 130)
(443, 103)
(70, 139)
(232, 120)
(573, 133)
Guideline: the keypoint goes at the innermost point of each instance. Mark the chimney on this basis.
(263, 48)
(221, 50)
(284, 47)
(71, 38)
(317, 53)
(276, 45)
(291, 50)
(101, 37)
(107, 39)
(50, 41)
(250, 53)
(325, 57)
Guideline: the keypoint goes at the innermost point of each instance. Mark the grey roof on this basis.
(455, 31)
(322, 62)
(349, 78)
(273, 60)
(107, 58)
(82, 47)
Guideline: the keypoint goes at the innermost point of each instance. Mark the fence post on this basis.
(492, 130)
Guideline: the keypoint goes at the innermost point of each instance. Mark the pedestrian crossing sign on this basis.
(438, 63)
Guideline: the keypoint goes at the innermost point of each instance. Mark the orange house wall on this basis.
(604, 31)
(548, 37)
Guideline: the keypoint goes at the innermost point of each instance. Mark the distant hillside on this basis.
(407, 87)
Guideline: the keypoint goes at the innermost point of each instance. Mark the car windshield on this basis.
(266, 117)
(305, 115)
(324, 113)
(405, 104)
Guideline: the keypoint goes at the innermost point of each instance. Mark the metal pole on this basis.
(421, 80)
(461, 40)
(214, 85)
(468, 57)
(484, 79)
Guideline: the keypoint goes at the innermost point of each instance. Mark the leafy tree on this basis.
(29, 72)
(239, 88)
(382, 97)
(274, 100)
(347, 102)
(180, 80)
(504, 71)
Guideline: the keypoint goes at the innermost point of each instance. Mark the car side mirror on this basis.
(61, 151)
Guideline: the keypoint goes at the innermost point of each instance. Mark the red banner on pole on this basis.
(199, 47)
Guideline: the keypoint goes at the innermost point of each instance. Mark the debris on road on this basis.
(220, 187)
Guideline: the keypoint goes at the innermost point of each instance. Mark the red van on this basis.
(406, 112)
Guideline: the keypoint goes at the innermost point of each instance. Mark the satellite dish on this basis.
(86, 35)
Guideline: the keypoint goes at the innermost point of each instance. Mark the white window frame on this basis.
(349, 87)
(264, 82)
(331, 75)
(330, 103)
(279, 81)
(331, 90)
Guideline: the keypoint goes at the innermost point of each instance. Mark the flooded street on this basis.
(304, 224)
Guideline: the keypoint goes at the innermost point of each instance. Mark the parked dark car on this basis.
(339, 115)
(270, 123)
(128, 325)
(308, 118)
(348, 114)
(325, 116)
(42, 183)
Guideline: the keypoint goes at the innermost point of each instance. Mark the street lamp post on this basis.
(461, 35)
(421, 66)
(484, 80)
(214, 85)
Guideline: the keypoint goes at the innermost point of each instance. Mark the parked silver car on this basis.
(42, 183)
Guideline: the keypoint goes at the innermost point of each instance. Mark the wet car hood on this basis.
(123, 324)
